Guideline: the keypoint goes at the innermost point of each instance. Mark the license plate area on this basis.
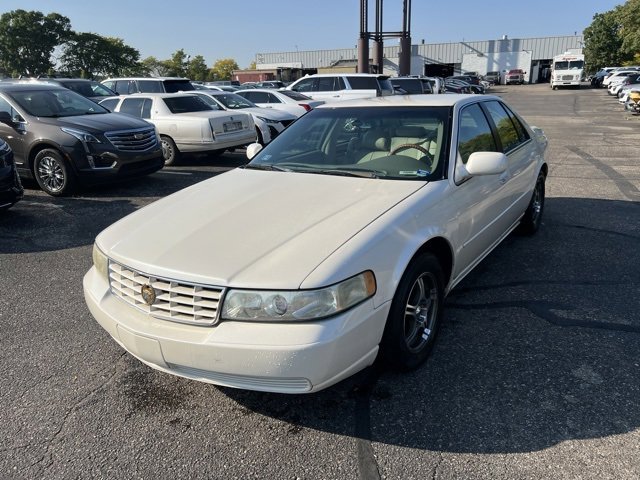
(232, 126)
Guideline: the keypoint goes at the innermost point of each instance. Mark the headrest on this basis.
(375, 140)
(409, 131)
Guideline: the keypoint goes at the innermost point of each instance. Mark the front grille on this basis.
(133, 140)
(567, 77)
(175, 301)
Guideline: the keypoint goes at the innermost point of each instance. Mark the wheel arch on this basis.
(441, 248)
(37, 148)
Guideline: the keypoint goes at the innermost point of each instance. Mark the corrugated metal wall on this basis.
(541, 48)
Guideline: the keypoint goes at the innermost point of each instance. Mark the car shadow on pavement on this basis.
(539, 346)
(40, 223)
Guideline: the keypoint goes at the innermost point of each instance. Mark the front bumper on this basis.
(272, 357)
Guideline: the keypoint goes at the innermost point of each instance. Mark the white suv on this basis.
(334, 87)
(129, 85)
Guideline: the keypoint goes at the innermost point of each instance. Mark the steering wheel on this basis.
(420, 148)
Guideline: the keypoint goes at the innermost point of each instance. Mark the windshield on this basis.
(186, 104)
(234, 102)
(570, 65)
(405, 143)
(55, 103)
(210, 101)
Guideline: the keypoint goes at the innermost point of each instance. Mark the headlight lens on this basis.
(101, 262)
(81, 135)
(267, 120)
(298, 305)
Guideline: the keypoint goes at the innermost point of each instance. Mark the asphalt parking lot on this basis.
(535, 374)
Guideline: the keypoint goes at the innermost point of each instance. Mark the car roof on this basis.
(266, 90)
(28, 86)
(189, 93)
(447, 100)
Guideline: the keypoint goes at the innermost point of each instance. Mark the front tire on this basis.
(415, 314)
(533, 214)
(169, 150)
(53, 173)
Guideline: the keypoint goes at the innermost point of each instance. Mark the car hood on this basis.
(97, 123)
(250, 228)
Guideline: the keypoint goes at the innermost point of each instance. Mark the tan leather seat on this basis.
(373, 144)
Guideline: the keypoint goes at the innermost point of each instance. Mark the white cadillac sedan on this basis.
(186, 123)
(335, 245)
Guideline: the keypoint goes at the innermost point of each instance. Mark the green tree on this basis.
(602, 42)
(629, 17)
(197, 69)
(28, 39)
(90, 55)
(177, 65)
(223, 69)
(154, 67)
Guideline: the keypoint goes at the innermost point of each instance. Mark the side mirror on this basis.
(253, 149)
(5, 117)
(486, 163)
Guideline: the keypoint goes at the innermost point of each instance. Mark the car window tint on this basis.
(274, 99)
(173, 86)
(132, 106)
(294, 95)
(186, 104)
(327, 84)
(306, 85)
(523, 135)
(258, 97)
(474, 133)
(150, 86)
(363, 83)
(122, 87)
(6, 107)
(506, 130)
(146, 108)
(110, 103)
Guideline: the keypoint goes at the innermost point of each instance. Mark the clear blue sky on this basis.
(239, 29)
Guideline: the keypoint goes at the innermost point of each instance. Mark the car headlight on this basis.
(267, 120)
(101, 262)
(298, 305)
(84, 137)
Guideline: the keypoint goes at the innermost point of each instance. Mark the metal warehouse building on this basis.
(533, 55)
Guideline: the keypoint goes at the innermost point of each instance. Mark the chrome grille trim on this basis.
(125, 140)
(181, 302)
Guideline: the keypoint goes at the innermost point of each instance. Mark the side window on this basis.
(132, 106)
(274, 99)
(146, 108)
(111, 85)
(522, 132)
(507, 132)
(327, 84)
(259, 97)
(125, 87)
(6, 107)
(474, 133)
(305, 85)
(110, 103)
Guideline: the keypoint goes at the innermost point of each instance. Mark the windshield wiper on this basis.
(265, 166)
(351, 172)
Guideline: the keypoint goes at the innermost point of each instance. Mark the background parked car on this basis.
(87, 88)
(10, 186)
(186, 123)
(411, 85)
(269, 122)
(336, 87)
(514, 76)
(62, 139)
(129, 85)
(286, 100)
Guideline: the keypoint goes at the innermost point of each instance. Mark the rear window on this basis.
(186, 104)
(173, 86)
(363, 83)
(294, 95)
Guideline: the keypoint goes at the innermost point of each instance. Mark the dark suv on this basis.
(10, 186)
(87, 88)
(61, 138)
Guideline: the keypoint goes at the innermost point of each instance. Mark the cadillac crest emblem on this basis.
(148, 294)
